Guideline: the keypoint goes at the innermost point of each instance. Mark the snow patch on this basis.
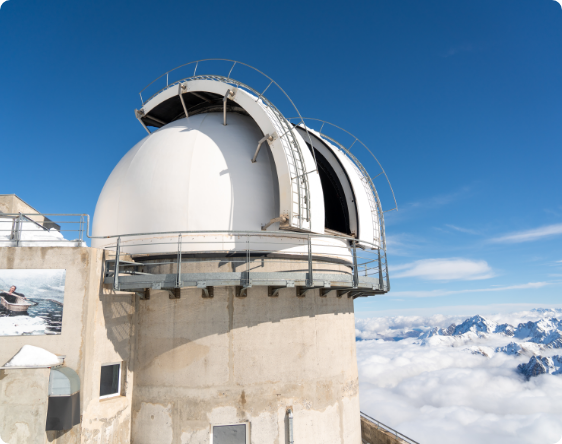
(31, 356)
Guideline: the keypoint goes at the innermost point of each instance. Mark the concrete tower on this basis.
(247, 239)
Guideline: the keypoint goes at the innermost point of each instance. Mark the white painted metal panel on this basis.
(192, 174)
(368, 225)
(285, 163)
(329, 155)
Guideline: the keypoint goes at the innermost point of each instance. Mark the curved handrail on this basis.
(234, 63)
(281, 233)
(259, 96)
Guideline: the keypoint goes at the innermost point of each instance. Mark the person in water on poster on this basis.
(13, 291)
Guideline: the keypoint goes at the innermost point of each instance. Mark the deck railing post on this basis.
(310, 282)
(178, 278)
(355, 268)
(116, 271)
(18, 230)
(381, 280)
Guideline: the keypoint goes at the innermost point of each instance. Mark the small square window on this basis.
(230, 434)
(110, 380)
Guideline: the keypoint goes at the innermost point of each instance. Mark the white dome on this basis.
(192, 174)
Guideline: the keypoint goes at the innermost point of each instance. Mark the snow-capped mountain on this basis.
(544, 331)
(539, 365)
(480, 336)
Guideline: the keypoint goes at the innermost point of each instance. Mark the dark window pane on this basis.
(231, 434)
(109, 381)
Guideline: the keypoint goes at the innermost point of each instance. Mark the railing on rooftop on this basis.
(276, 259)
(43, 229)
(388, 429)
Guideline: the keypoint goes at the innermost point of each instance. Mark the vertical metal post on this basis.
(167, 83)
(181, 98)
(229, 72)
(381, 281)
(116, 272)
(310, 278)
(178, 278)
(224, 100)
(248, 260)
(290, 415)
(386, 271)
(18, 230)
(355, 268)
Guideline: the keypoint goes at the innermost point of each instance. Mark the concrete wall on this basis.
(23, 405)
(191, 362)
(371, 434)
(228, 360)
(96, 329)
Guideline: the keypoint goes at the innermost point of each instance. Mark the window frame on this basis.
(245, 423)
(119, 379)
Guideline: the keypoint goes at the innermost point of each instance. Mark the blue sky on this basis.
(459, 100)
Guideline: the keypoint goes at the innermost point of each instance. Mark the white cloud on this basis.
(435, 293)
(445, 269)
(442, 394)
(530, 235)
(461, 229)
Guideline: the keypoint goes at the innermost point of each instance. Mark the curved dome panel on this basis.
(192, 174)
(300, 192)
(361, 204)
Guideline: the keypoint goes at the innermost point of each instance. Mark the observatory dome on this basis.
(192, 174)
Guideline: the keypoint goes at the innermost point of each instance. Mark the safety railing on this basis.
(274, 259)
(388, 429)
(42, 229)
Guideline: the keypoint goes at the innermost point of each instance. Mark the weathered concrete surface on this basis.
(11, 204)
(192, 362)
(96, 329)
(227, 360)
(371, 434)
(108, 339)
(23, 405)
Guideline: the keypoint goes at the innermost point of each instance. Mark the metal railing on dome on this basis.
(278, 259)
(380, 425)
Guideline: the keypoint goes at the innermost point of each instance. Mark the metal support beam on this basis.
(182, 87)
(139, 114)
(302, 291)
(117, 253)
(273, 291)
(327, 288)
(208, 292)
(228, 94)
(244, 290)
(280, 219)
(262, 140)
(156, 119)
(202, 97)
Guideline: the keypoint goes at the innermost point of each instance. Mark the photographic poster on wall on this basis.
(31, 302)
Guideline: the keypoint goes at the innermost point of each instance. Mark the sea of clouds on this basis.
(438, 390)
